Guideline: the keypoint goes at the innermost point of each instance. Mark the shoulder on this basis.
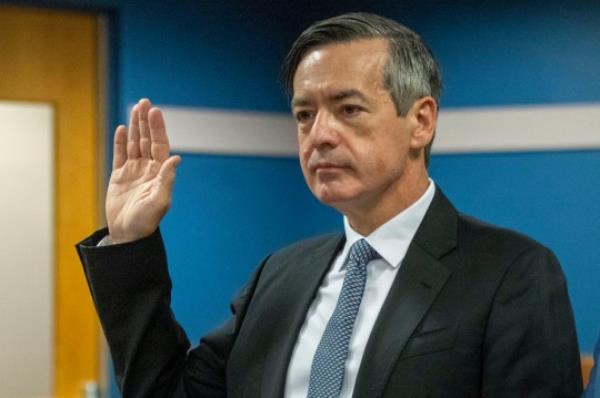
(477, 235)
(301, 258)
(307, 247)
(502, 251)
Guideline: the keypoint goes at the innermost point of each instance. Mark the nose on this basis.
(325, 130)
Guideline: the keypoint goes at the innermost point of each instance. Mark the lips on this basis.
(326, 166)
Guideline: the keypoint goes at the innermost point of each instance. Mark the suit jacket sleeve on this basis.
(530, 347)
(131, 289)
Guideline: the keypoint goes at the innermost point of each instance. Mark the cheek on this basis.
(380, 165)
(305, 172)
(304, 152)
(371, 158)
(303, 157)
(381, 161)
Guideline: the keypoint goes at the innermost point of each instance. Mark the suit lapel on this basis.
(418, 282)
(301, 285)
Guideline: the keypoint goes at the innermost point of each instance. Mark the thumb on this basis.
(167, 171)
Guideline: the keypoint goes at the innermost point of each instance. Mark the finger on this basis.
(143, 108)
(133, 136)
(158, 133)
(120, 147)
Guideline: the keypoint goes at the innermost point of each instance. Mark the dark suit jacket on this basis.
(474, 311)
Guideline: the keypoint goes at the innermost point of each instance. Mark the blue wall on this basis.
(229, 212)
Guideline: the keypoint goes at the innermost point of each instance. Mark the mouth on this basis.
(327, 166)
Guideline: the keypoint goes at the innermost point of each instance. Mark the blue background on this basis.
(229, 211)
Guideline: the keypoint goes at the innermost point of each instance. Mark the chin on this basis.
(333, 197)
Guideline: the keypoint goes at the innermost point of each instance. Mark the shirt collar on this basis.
(391, 240)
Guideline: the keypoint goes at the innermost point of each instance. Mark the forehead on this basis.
(341, 66)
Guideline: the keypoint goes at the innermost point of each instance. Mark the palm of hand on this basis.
(133, 200)
(139, 191)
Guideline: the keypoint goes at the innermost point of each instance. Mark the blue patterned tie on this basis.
(329, 362)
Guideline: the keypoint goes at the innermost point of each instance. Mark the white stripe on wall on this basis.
(227, 132)
(501, 129)
(523, 128)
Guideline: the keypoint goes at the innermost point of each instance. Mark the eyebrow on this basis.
(345, 94)
(335, 97)
(299, 101)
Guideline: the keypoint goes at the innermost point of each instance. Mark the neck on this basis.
(371, 213)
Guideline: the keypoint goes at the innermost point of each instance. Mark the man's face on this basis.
(353, 145)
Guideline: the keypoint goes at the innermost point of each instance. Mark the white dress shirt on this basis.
(391, 241)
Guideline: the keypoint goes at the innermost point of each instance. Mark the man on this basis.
(413, 300)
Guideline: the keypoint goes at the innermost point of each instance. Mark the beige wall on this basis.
(26, 249)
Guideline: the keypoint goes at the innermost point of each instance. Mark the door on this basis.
(51, 57)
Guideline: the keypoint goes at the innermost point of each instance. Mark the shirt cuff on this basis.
(106, 241)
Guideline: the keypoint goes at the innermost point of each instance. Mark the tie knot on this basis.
(361, 252)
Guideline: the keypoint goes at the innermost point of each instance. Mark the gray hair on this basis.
(411, 72)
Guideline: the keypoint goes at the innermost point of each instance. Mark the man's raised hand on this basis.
(139, 191)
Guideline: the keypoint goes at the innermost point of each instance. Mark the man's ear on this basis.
(424, 116)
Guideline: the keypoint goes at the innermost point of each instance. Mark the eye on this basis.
(303, 116)
(351, 110)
